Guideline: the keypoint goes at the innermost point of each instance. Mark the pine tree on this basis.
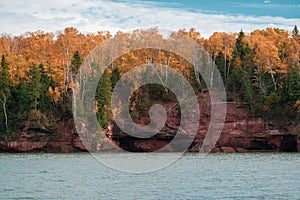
(240, 79)
(45, 81)
(76, 62)
(22, 100)
(294, 85)
(75, 68)
(296, 33)
(240, 45)
(103, 98)
(237, 72)
(115, 76)
(34, 87)
(5, 88)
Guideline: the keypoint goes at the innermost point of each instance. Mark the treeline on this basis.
(260, 69)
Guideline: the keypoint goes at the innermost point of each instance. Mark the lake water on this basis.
(217, 176)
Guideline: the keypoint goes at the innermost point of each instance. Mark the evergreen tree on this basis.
(22, 100)
(5, 89)
(296, 33)
(103, 99)
(76, 62)
(240, 45)
(220, 64)
(75, 67)
(240, 79)
(115, 76)
(294, 85)
(34, 87)
(45, 81)
(237, 72)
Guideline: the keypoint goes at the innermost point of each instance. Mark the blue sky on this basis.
(207, 16)
(284, 8)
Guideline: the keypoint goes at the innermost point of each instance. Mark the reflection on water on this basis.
(218, 176)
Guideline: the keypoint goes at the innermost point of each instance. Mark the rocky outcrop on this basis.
(241, 133)
(62, 139)
(26, 143)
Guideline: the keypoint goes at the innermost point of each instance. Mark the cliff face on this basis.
(63, 139)
(241, 133)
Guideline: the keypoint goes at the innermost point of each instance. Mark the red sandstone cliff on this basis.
(241, 133)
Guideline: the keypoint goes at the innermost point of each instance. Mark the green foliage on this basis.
(5, 82)
(103, 99)
(33, 95)
(5, 91)
(294, 85)
(36, 120)
(76, 62)
(21, 100)
(26, 99)
(247, 89)
(235, 79)
(296, 33)
(44, 101)
(230, 97)
(220, 61)
(258, 89)
(64, 106)
(34, 86)
(272, 100)
(140, 102)
(115, 76)
(11, 134)
(240, 50)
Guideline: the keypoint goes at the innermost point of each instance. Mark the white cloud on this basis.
(90, 16)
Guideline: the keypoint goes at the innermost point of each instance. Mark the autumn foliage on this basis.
(260, 68)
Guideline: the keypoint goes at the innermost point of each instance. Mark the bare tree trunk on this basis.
(159, 59)
(259, 76)
(167, 65)
(272, 75)
(225, 62)
(228, 71)
(66, 52)
(212, 73)
(74, 102)
(83, 88)
(3, 101)
(162, 83)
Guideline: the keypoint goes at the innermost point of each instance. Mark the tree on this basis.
(296, 33)
(115, 76)
(267, 59)
(103, 98)
(45, 81)
(235, 78)
(262, 68)
(240, 46)
(76, 62)
(22, 101)
(34, 87)
(5, 88)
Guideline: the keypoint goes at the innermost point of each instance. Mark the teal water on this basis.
(218, 176)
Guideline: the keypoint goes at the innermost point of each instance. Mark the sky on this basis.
(207, 16)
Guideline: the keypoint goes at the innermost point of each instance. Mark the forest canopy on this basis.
(260, 68)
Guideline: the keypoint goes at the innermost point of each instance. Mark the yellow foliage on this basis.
(54, 94)
(297, 105)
